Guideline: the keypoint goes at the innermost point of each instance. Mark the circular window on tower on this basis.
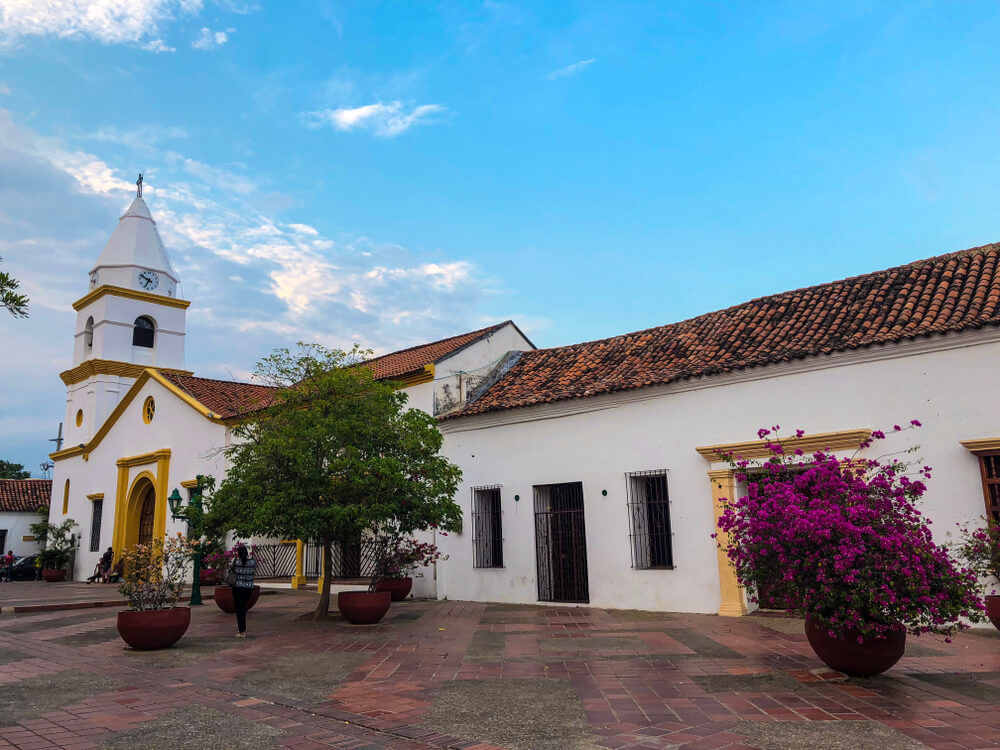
(148, 409)
(79, 417)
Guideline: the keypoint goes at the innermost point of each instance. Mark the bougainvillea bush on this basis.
(980, 548)
(841, 540)
(407, 555)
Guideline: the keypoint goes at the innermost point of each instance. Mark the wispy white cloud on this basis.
(571, 70)
(208, 39)
(385, 120)
(106, 21)
(246, 270)
(4, 89)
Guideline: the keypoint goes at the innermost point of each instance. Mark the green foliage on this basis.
(57, 540)
(15, 303)
(336, 456)
(11, 470)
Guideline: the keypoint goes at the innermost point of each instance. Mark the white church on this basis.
(591, 472)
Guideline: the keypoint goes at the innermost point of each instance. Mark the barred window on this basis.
(96, 510)
(487, 527)
(649, 519)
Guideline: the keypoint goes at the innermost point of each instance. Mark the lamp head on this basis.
(174, 501)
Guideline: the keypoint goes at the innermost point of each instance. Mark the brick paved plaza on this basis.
(464, 675)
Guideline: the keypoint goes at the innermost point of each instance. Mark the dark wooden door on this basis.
(146, 519)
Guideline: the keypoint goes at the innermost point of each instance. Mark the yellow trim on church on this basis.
(120, 291)
(126, 530)
(92, 367)
(148, 374)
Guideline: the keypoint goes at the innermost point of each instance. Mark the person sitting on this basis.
(98, 573)
(106, 559)
(116, 575)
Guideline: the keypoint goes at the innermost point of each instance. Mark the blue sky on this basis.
(391, 173)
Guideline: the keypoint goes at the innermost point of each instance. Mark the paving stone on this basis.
(516, 714)
(197, 728)
(828, 735)
(34, 696)
(303, 678)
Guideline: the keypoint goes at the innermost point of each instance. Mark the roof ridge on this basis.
(979, 249)
(440, 341)
(214, 380)
(946, 293)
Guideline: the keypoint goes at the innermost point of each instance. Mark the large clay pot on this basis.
(153, 629)
(993, 609)
(363, 607)
(54, 576)
(224, 598)
(208, 576)
(398, 588)
(872, 656)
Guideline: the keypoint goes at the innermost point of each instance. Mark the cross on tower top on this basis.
(138, 184)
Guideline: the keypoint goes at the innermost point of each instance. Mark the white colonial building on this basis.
(591, 472)
(139, 425)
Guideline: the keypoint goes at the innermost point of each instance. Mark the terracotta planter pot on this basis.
(993, 609)
(54, 576)
(363, 607)
(873, 656)
(224, 598)
(153, 629)
(208, 576)
(398, 588)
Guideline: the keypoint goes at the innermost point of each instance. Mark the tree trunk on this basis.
(323, 605)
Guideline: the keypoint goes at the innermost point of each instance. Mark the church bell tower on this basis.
(130, 319)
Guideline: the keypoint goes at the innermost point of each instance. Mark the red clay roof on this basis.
(25, 495)
(228, 398)
(225, 398)
(406, 361)
(934, 296)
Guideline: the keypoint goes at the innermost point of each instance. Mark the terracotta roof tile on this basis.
(406, 361)
(24, 495)
(934, 296)
(228, 398)
(225, 398)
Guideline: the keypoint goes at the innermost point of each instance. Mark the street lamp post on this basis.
(192, 513)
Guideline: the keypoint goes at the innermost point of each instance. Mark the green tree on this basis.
(11, 470)
(16, 304)
(335, 456)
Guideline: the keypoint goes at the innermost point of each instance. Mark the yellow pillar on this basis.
(322, 570)
(724, 488)
(299, 579)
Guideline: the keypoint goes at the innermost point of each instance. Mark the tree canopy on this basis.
(334, 456)
(11, 470)
(14, 302)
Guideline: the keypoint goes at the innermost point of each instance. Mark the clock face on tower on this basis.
(93, 280)
(149, 280)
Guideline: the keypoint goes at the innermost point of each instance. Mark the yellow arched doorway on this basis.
(141, 500)
(140, 512)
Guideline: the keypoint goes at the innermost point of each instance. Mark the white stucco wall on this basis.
(488, 349)
(193, 440)
(947, 390)
(16, 525)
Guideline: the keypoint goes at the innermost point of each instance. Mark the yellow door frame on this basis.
(124, 535)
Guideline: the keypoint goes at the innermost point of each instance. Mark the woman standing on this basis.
(244, 569)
